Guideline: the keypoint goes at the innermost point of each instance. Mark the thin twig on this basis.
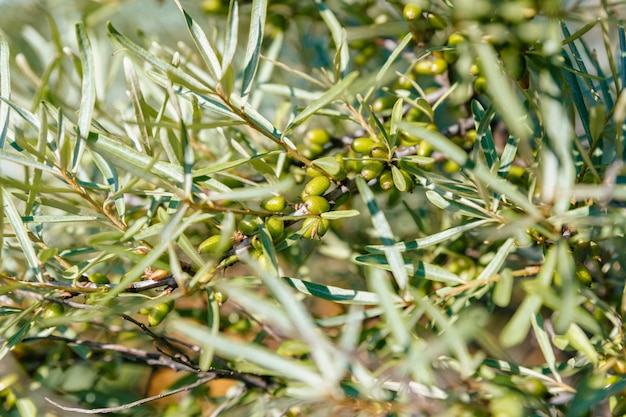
(199, 382)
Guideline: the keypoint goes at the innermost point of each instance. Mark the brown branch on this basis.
(199, 382)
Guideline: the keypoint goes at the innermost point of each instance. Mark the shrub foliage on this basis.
(306, 208)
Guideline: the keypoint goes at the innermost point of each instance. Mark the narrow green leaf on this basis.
(385, 234)
(110, 174)
(328, 164)
(30, 118)
(384, 69)
(88, 92)
(253, 49)
(579, 340)
(339, 214)
(450, 204)
(377, 281)
(332, 293)
(251, 193)
(458, 155)
(188, 160)
(515, 331)
(508, 156)
(60, 219)
(120, 153)
(504, 288)
(21, 233)
(498, 260)
(418, 269)
(329, 96)
(27, 162)
(213, 322)
(506, 102)
(261, 307)
(139, 105)
(566, 270)
(339, 36)
(256, 354)
(483, 131)
(178, 74)
(5, 90)
(434, 238)
(321, 350)
(232, 32)
(208, 54)
(543, 340)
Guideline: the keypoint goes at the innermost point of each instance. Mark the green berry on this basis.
(312, 150)
(372, 169)
(480, 85)
(425, 149)
(275, 227)
(316, 204)
(411, 12)
(423, 67)
(475, 68)
(363, 145)
(158, 312)
(312, 172)
(256, 243)
(386, 180)
(451, 167)
(317, 136)
(274, 204)
(455, 39)
(212, 6)
(383, 103)
(439, 66)
(314, 227)
(53, 310)
(379, 152)
(211, 245)
(248, 225)
(317, 186)
(99, 278)
(437, 21)
(583, 276)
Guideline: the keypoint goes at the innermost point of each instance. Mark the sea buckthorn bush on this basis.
(312, 208)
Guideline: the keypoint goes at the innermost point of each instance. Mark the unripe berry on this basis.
(158, 312)
(386, 180)
(451, 167)
(455, 39)
(383, 103)
(275, 227)
(411, 12)
(274, 204)
(314, 227)
(53, 310)
(423, 67)
(363, 145)
(210, 245)
(316, 204)
(437, 21)
(317, 186)
(379, 152)
(372, 169)
(248, 225)
(439, 66)
(317, 136)
(480, 85)
(99, 278)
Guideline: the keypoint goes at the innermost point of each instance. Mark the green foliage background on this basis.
(467, 258)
